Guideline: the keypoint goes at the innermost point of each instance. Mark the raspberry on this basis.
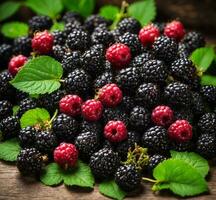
(132, 41)
(66, 155)
(94, 127)
(128, 178)
(175, 30)
(162, 116)
(16, 63)
(165, 49)
(65, 128)
(30, 161)
(103, 79)
(148, 34)
(77, 40)
(141, 59)
(71, 105)
(178, 94)
(139, 118)
(42, 42)
(209, 93)
(154, 160)
(119, 55)
(148, 94)
(5, 53)
(207, 123)
(180, 131)
(206, 145)
(5, 109)
(130, 25)
(110, 95)
(92, 110)
(104, 163)
(59, 37)
(115, 131)
(40, 23)
(155, 139)
(71, 16)
(25, 105)
(22, 45)
(87, 144)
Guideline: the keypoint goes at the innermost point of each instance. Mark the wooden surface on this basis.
(15, 187)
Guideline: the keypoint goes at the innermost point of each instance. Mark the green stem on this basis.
(149, 180)
(53, 117)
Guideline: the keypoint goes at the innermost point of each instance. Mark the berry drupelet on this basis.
(209, 93)
(22, 45)
(5, 109)
(25, 105)
(154, 160)
(141, 59)
(207, 123)
(130, 25)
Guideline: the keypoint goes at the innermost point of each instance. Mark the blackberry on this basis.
(139, 118)
(30, 161)
(108, 66)
(130, 25)
(198, 104)
(155, 139)
(94, 127)
(183, 51)
(154, 71)
(45, 142)
(87, 143)
(132, 41)
(209, 93)
(77, 82)
(206, 145)
(98, 48)
(127, 103)
(5, 109)
(115, 114)
(116, 34)
(123, 147)
(72, 26)
(207, 123)
(195, 83)
(59, 37)
(104, 163)
(59, 52)
(154, 160)
(184, 114)
(193, 40)
(128, 178)
(65, 128)
(9, 127)
(25, 105)
(178, 94)
(40, 23)
(148, 94)
(77, 40)
(22, 45)
(71, 61)
(183, 70)
(19, 96)
(92, 62)
(103, 79)
(5, 54)
(165, 48)
(71, 16)
(128, 79)
(183, 146)
(27, 136)
(141, 59)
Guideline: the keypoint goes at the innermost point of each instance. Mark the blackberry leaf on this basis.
(109, 12)
(7, 9)
(57, 26)
(208, 80)
(39, 76)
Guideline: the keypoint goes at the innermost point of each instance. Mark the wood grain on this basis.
(15, 187)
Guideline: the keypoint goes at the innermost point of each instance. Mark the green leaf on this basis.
(7, 9)
(14, 29)
(39, 76)
(34, 116)
(80, 176)
(111, 189)
(15, 110)
(109, 12)
(144, 11)
(9, 150)
(50, 8)
(203, 57)
(84, 7)
(57, 26)
(193, 159)
(180, 177)
(52, 175)
(208, 80)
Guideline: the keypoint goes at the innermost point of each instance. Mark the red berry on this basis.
(66, 155)
(119, 55)
(42, 42)
(180, 131)
(115, 131)
(92, 110)
(148, 34)
(71, 105)
(16, 63)
(175, 30)
(162, 116)
(110, 95)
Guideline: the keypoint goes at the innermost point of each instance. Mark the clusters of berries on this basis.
(124, 87)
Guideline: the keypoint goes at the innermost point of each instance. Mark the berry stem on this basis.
(149, 180)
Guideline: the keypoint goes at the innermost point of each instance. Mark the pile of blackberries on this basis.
(121, 88)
